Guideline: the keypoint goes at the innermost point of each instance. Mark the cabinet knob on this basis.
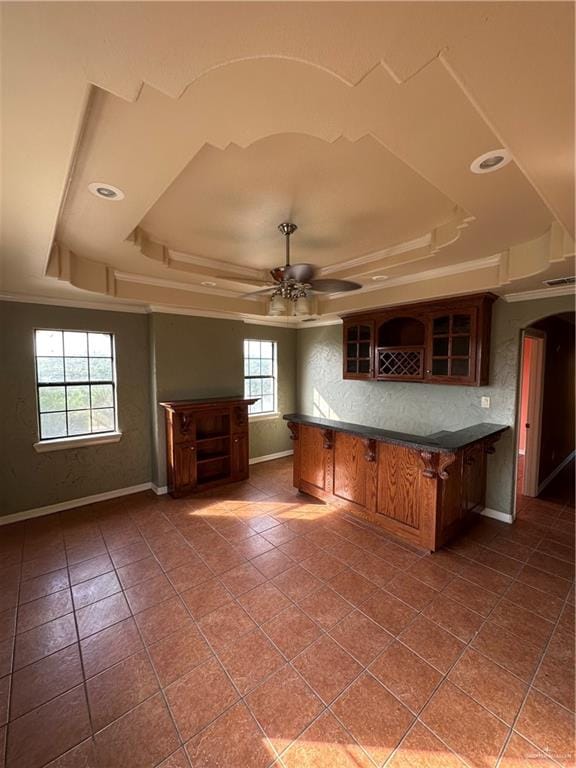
(192, 447)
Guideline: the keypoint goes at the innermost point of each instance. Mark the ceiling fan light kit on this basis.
(295, 283)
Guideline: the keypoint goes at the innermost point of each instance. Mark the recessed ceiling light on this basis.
(379, 277)
(491, 161)
(105, 191)
(208, 283)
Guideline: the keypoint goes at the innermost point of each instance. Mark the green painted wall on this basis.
(425, 408)
(29, 479)
(195, 357)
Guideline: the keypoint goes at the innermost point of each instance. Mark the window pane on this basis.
(52, 399)
(50, 369)
(100, 345)
(49, 343)
(266, 349)
(441, 324)
(268, 403)
(253, 349)
(100, 369)
(78, 397)
(440, 346)
(76, 369)
(460, 367)
(255, 407)
(255, 388)
(461, 323)
(254, 367)
(103, 420)
(267, 386)
(440, 367)
(102, 396)
(247, 367)
(78, 422)
(460, 345)
(75, 343)
(52, 425)
(266, 368)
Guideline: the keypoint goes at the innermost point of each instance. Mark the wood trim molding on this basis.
(444, 461)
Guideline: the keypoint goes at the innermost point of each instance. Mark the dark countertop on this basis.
(439, 442)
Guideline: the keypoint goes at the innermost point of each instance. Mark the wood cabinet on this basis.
(440, 342)
(421, 496)
(206, 443)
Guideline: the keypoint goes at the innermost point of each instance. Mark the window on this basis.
(260, 375)
(76, 382)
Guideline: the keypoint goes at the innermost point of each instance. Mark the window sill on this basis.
(263, 416)
(64, 443)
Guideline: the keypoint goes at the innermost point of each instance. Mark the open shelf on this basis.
(203, 458)
(206, 439)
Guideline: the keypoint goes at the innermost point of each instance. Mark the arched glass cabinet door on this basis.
(358, 349)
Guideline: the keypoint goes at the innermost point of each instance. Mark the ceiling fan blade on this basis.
(302, 273)
(333, 286)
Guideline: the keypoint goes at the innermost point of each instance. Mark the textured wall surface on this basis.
(425, 408)
(195, 357)
(29, 479)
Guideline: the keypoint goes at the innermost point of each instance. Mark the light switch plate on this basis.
(485, 402)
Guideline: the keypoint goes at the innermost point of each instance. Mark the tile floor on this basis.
(256, 627)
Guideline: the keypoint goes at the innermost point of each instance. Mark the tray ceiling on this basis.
(217, 124)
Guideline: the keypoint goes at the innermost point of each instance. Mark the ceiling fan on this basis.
(294, 282)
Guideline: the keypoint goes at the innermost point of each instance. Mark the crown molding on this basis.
(51, 301)
(159, 282)
(541, 293)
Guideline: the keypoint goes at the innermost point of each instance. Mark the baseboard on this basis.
(159, 490)
(556, 471)
(495, 514)
(270, 457)
(72, 503)
(522, 451)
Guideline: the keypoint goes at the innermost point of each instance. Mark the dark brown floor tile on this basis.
(489, 684)
(498, 561)
(189, 575)
(87, 551)
(7, 624)
(242, 579)
(552, 565)
(43, 585)
(97, 616)
(45, 679)
(431, 574)
(361, 637)
(325, 744)
(555, 677)
(299, 549)
(178, 653)
(224, 625)
(140, 739)
(89, 569)
(376, 569)
(178, 759)
(438, 647)
(264, 602)
(280, 534)
(291, 631)
(138, 550)
(200, 697)
(120, 688)
(57, 726)
(162, 619)
(522, 623)
(519, 657)
(250, 660)
(421, 749)
(44, 609)
(81, 756)
(542, 603)
(110, 646)
(4, 698)
(510, 548)
(376, 718)
(546, 582)
(549, 726)
(352, 586)
(253, 547)
(42, 565)
(327, 668)
(413, 592)
(206, 598)
(408, 676)
(297, 583)
(139, 571)
(325, 607)
(519, 753)
(471, 595)
(466, 727)
(454, 617)
(214, 747)
(223, 559)
(284, 706)
(95, 589)
(44, 640)
(323, 566)
(388, 611)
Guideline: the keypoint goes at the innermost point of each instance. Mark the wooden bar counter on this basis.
(422, 490)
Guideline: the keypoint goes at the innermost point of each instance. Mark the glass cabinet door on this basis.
(452, 346)
(358, 350)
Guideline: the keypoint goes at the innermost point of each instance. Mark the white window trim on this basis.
(84, 441)
(268, 416)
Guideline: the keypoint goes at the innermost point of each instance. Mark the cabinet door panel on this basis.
(185, 466)
(399, 477)
(452, 344)
(358, 349)
(313, 456)
(239, 456)
(350, 468)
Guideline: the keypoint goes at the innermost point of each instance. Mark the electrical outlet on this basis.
(485, 402)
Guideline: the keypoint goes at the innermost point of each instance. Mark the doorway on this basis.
(531, 398)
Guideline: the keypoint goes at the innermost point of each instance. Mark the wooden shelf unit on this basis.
(206, 443)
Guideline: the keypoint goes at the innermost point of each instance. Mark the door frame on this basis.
(534, 410)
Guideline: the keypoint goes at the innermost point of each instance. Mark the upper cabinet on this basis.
(440, 342)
